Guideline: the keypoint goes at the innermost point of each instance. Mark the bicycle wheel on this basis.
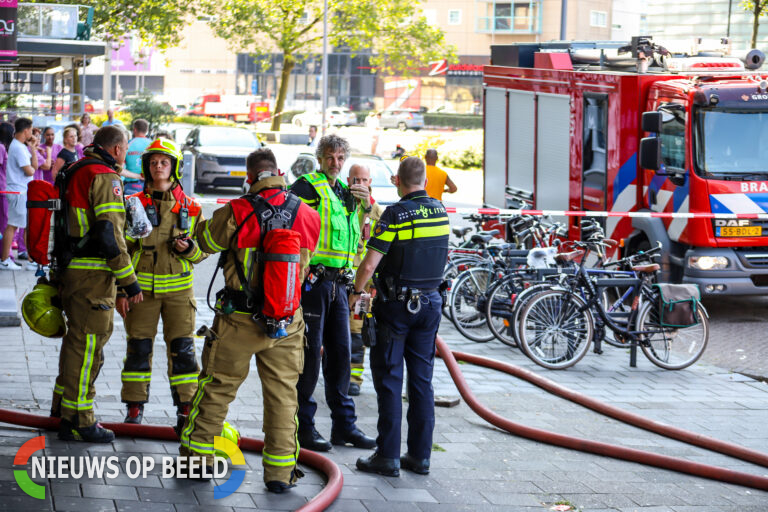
(519, 306)
(669, 347)
(468, 296)
(499, 308)
(556, 329)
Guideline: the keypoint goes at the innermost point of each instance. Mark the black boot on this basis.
(135, 413)
(354, 389)
(420, 466)
(312, 440)
(278, 487)
(380, 465)
(93, 434)
(355, 437)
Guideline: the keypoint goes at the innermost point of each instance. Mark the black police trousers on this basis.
(326, 313)
(402, 336)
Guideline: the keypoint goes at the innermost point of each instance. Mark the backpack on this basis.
(277, 261)
(43, 199)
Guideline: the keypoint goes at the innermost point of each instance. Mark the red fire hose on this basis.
(609, 450)
(321, 501)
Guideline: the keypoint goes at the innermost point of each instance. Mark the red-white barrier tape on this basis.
(564, 213)
(9, 192)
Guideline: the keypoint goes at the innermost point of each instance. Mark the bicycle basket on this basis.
(678, 304)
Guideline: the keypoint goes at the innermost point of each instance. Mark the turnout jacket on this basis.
(159, 267)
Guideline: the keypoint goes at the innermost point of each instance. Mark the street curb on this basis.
(9, 315)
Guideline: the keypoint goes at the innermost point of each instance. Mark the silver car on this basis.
(402, 119)
(220, 153)
(382, 189)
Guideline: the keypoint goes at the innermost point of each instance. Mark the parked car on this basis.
(334, 116)
(220, 153)
(402, 119)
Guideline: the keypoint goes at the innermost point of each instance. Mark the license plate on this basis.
(237, 173)
(740, 231)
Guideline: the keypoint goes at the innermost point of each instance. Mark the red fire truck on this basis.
(231, 106)
(579, 126)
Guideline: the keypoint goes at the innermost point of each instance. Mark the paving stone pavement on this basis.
(475, 466)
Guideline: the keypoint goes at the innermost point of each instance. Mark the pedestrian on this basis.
(89, 282)
(312, 136)
(324, 297)
(68, 152)
(239, 333)
(112, 120)
(47, 154)
(163, 262)
(6, 136)
(373, 123)
(20, 169)
(131, 174)
(362, 175)
(87, 129)
(408, 249)
(438, 181)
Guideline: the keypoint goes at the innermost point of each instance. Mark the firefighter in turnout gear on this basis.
(324, 297)
(163, 262)
(408, 250)
(362, 175)
(241, 231)
(86, 269)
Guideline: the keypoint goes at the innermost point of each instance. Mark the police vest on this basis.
(418, 254)
(339, 228)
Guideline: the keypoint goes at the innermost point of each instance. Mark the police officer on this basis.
(95, 221)
(409, 248)
(163, 262)
(238, 334)
(324, 297)
(360, 174)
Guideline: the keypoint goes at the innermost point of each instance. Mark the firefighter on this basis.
(95, 218)
(409, 248)
(362, 175)
(163, 262)
(324, 297)
(239, 333)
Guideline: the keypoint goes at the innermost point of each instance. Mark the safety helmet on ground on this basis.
(41, 309)
(164, 147)
(230, 433)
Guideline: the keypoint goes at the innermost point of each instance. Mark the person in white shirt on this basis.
(312, 136)
(22, 162)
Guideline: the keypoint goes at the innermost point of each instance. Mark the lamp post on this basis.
(325, 65)
(116, 45)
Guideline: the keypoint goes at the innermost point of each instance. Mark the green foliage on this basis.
(157, 23)
(758, 8)
(468, 158)
(458, 121)
(457, 150)
(399, 37)
(201, 120)
(8, 101)
(145, 107)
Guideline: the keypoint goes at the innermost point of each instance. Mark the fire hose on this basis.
(320, 501)
(335, 480)
(600, 448)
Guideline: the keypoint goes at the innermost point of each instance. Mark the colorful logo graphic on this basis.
(21, 475)
(223, 447)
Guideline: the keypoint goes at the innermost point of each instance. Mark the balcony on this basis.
(55, 21)
(508, 17)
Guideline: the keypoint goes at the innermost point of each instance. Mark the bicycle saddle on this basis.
(646, 269)
(492, 232)
(565, 257)
(610, 242)
(481, 238)
(460, 232)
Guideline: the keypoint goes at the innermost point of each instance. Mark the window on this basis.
(673, 136)
(522, 16)
(503, 16)
(594, 153)
(598, 18)
(454, 17)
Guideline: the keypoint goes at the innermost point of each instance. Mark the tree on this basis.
(396, 32)
(757, 8)
(145, 107)
(156, 23)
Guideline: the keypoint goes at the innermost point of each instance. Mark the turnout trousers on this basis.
(229, 347)
(326, 311)
(88, 298)
(402, 336)
(177, 309)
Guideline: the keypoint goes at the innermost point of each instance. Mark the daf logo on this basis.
(732, 222)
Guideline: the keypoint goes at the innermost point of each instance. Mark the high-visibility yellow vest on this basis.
(339, 228)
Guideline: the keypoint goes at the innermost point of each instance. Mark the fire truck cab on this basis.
(575, 126)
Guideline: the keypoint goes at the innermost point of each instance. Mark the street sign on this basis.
(254, 87)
